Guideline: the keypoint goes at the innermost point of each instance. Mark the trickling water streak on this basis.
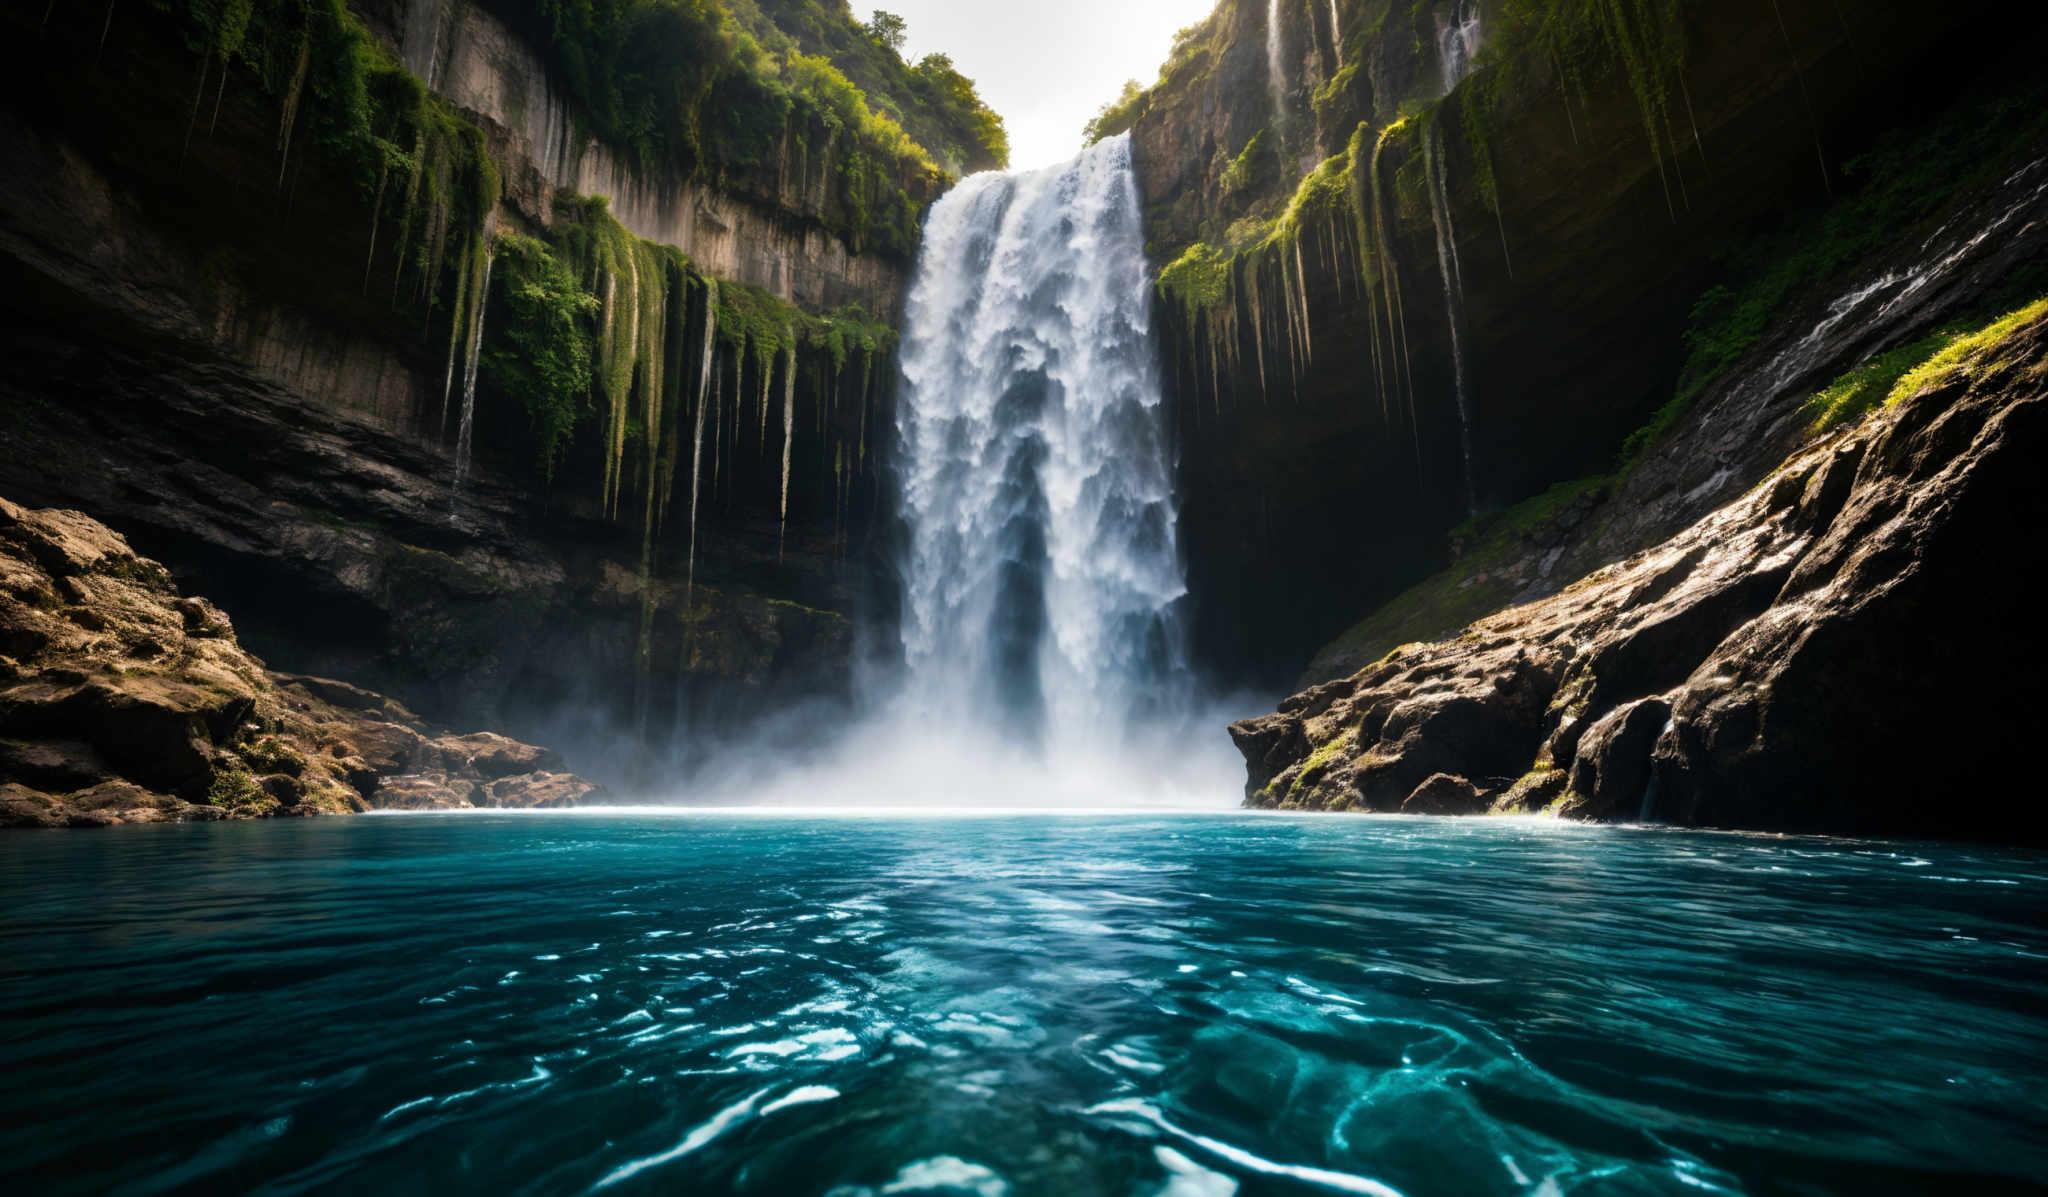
(1457, 43)
(1276, 65)
(476, 344)
(788, 442)
(1454, 298)
(1043, 562)
(1337, 32)
(697, 437)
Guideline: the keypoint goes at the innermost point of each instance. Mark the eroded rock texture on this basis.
(1848, 647)
(122, 701)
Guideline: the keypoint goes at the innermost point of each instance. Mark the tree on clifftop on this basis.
(888, 29)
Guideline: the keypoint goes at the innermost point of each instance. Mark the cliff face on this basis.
(1797, 660)
(253, 364)
(775, 237)
(1481, 283)
(1788, 574)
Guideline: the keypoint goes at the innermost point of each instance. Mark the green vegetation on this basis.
(1967, 355)
(272, 755)
(1905, 181)
(1861, 390)
(1256, 167)
(417, 162)
(1118, 115)
(1311, 771)
(234, 787)
(734, 91)
(541, 348)
(594, 322)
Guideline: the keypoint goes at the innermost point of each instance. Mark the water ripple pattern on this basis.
(1043, 564)
(1145, 1005)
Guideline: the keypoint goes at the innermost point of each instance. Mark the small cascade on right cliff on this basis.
(1457, 43)
(1454, 302)
(1043, 567)
(1276, 65)
(466, 430)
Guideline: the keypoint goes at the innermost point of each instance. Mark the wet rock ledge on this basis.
(122, 701)
(1854, 646)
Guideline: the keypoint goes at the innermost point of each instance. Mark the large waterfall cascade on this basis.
(1043, 566)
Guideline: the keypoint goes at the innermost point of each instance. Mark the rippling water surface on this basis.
(1136, 1004)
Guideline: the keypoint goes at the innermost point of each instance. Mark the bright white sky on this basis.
(1045, 65)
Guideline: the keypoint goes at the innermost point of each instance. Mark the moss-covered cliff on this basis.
(1421, 261)
(524, 446)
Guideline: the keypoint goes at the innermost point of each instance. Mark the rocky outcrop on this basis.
(1845, 648)
(122, 701)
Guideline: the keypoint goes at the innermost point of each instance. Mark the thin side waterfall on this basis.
(476, 343)
(1337, 32)
(1457, 43)
(697, 437)
(1276, 65)
(1454, 299)
(1043, 565)
(788, 443)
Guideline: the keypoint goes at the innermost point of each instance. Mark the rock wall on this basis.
(1839, 650)
(1328, 444)
(771, 241)
(203, 353)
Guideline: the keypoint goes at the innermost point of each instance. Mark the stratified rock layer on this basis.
(1845, 648)
(122, 701)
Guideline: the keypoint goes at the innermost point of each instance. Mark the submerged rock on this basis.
(122, 701)
(1842, 649)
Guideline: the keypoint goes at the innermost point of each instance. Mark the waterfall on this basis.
(1336, 33)
(476, 344)
(697, 437)
(1457, 43)
(1043, 565)
(788, 443)
(1454, 299)
(1276, 65)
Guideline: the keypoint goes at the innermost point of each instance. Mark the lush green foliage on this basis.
(1198, 280)
(1865, 387)
(1967, 354)
(720, 90)
(1256, 167)
(1118, 115)
(540, 352)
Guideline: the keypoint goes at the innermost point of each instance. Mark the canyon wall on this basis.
(212, 352)
(1430, 266)
(774, 241)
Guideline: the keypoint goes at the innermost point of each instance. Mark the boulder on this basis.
(1444, 794)
(1612, 769)
(538, 790)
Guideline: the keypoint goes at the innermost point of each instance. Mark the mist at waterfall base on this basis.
(1039, 659)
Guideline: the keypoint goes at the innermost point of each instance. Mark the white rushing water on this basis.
(466, 431)
(1457, 43)
(1043, 567)
(1276, 65)
(1453, 273)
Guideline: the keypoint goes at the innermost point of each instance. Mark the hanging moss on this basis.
(541, 348)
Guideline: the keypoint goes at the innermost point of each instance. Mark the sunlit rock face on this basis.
(1043, 565)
